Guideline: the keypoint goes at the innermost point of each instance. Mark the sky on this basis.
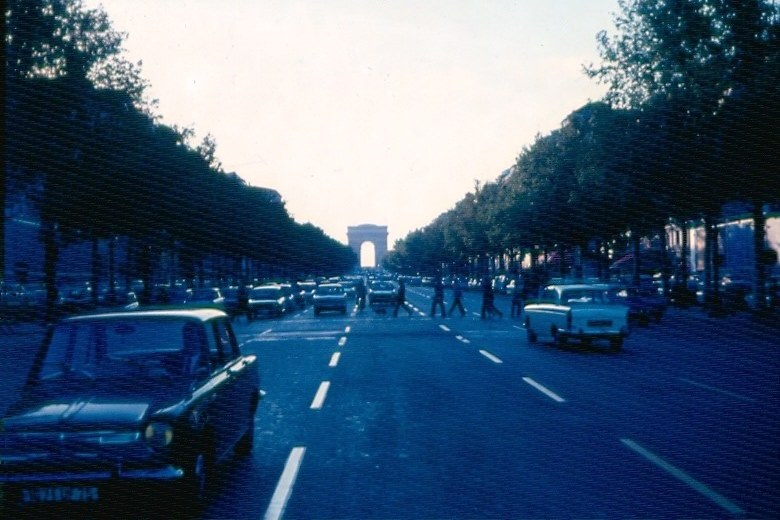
(365, 111)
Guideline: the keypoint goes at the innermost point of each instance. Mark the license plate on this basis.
(60, 494)
(599, 323)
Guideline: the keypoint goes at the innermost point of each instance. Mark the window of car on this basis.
(226, 341)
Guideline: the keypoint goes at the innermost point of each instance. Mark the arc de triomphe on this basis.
(377, 235)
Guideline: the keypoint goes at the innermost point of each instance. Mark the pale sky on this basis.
(360, 111)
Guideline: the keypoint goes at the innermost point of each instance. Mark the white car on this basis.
(576, 311)
(330, 297)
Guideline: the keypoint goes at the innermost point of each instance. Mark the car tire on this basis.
(197, 479)
(316, 312)
(616, 344)
(531, 334)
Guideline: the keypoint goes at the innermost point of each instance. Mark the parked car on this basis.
(74, 298)
(381, 295)
(644, 304)
(206, 297)
(308, 288)
(127, 401)
(577, 311)
(330, 297)
(14, 301)
(268, 300)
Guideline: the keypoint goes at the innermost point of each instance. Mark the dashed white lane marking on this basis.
(334, 359)
(718, 390)
(266, 331)
(679, 474)
(444, 328)
(319, 397)
(490, 356)
(549, 393)
(462, 339)
(284, 486)
(342, 341)
(347, 329)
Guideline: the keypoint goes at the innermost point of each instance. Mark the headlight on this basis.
(158, 434)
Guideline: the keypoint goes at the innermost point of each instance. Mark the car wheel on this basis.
(531, 334)
(316, 312)
(616, 344)
(559, 339)
(196, 480)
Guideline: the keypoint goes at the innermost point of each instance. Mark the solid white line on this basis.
(719, 499)
(319, 397)
(284, 486)
(718, 390)
(266, 331)
(549, 393)
(347, 329)
(342, 341)
(444, 328)
(518, 327)
(490, 356)
(334, 359)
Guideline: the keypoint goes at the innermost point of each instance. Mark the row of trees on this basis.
(690, 122)
(83, 146)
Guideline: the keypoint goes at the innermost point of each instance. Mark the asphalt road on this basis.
(370, 416)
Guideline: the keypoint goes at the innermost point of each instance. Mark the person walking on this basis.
(517, 297)
(400, 299)
(438, 298)
(457, 299)
(488, 297)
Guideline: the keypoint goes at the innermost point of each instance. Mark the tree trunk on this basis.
(637, 264)
(664, 262)
(685, 253)
(759, 236)
(112, 271)
(50, 257)
(96, 268)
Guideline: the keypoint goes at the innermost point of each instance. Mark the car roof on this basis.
(565, 286)
(204, 314)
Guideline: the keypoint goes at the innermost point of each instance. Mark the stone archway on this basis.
(377, 235)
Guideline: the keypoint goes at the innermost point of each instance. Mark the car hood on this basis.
(43, 408)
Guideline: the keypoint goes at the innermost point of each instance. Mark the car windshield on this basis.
(115, 348)
(329, 289)
(569, 296)
(382, 286)
(266, 293)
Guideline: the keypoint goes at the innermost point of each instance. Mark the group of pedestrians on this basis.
(488, 309)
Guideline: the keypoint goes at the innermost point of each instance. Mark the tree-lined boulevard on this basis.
(461, 417)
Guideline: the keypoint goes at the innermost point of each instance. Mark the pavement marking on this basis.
(549, 393)
(347, 329)
(319, 397)
(444, 328)
(718, 390)
(679, 474)
(266, 332)
(275, 338)
(462, 339)
(334, 359)
(342, 341)
(490, 356)
(284, 486)
(518, 327)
